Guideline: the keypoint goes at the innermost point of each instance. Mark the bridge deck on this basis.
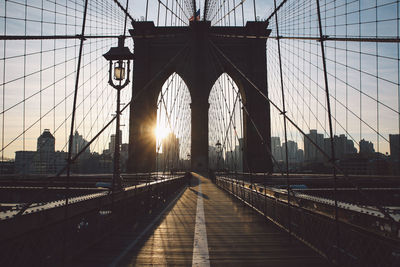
(233, 235)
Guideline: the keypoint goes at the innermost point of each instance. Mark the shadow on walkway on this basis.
(199, 194)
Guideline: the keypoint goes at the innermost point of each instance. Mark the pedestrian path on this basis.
(207, 227)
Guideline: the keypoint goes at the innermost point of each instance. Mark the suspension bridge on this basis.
(200, 132)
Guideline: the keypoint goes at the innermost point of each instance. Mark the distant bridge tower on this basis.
(190, 52)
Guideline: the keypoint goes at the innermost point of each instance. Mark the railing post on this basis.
(265, 202)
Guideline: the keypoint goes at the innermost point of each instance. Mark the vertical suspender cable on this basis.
(205, 10)
(54, 71)
(24, 81)
(70, 144)
(377, 86)
(223, 16)
(330, 127)
(158, 14)
(126, 14)
(194, 10)
(166, 13)
(229, 15)
(398, 75)
(254, 7)
(147, 9)
(234, 12)
(172, 11)
(4, 86)
(242, 13)
(284, 121)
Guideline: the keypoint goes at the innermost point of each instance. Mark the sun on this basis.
(161, 132)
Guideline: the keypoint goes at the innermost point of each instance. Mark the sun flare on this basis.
(161, 132)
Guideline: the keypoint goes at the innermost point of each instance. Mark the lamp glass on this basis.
(119, 71)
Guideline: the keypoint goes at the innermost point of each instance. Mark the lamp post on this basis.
(119, 58)
(218, 145)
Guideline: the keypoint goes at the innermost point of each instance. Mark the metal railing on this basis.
(360, 241)
(56, 232)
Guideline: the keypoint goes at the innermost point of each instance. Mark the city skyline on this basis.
(364, 143)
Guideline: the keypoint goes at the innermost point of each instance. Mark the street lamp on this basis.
(119, 58)
(219, 151)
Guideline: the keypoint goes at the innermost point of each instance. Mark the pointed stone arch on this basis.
(168, 124)
(231, 138)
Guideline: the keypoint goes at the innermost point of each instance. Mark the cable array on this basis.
(38, 73)
(361, 53)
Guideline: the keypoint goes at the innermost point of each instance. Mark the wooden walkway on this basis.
(226, 233)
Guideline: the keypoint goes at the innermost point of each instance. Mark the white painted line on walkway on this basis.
(200, 244)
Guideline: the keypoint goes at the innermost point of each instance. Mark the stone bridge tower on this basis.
(199, 54)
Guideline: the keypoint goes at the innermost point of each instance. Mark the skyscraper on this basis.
(111, 145)
(366, 147)
(394, 146)
(213, 157)
(44, 160)
(78, 143)
(311, 153)
(292, 151)
(276, 148)
(46, 142)
(170, 151)
(395, 152)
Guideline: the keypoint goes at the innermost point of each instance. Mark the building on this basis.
(26, 162)
(394, 146)
(365, 164)
(170, 151)
(239, 155)
(111, 145)
(295, 155)
(233, 160)
(213, 158)
(44, 161)
(350, 149)
(311, 153)
(124, 156)
(79, 143)
(395, 152)
(32, 162)
(44, 158)
(159, 162)
(46, 142)
(366, 147)
(342, 146)
(7, 167)
(276, 149)
(230, 162)
(59, 160)
(292, 151)
(300, 155)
